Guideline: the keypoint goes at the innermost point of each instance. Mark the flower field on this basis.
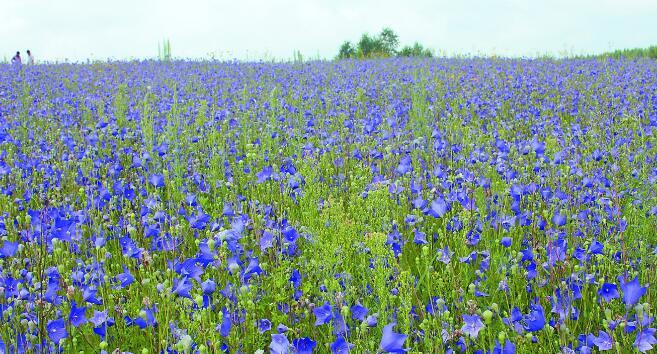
(393, 205)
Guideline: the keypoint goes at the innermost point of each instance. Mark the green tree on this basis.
(347, 50)
(383, 45)
(369, 46)
(389, 41)
(416, 50)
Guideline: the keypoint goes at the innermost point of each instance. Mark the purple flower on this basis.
(445, 255)
(264, 325)
(57, 330)
(8, 249)
(632, 291)
(603, 341)
(323, 314)
(506, 241)
(341, 346)
(125, 279)
(392, 342)
(304, 345)
(157, 180)
(281, 328)
(509, 348)
(98, 318)
(404, 165)
(608, 291)
(182, 287)
(559, 219)
(208, 287)
(279, 344)
(358, 312)
(77, 315)
(438, 208)
(89, 295)
(535, 319)
(265, 174)
(645, 339)
(420, 238)
(472, 325)
(266, 240)
(226, 324)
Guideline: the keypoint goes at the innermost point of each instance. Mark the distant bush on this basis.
(383, 45)
(633, 53)
(650, 52)
(416, 50)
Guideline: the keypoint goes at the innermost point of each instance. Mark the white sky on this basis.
(259, 29)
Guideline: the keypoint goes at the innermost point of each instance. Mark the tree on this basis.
(369, 46)
(416, 50)
(346, 51)
(383, 45)
(389, 41)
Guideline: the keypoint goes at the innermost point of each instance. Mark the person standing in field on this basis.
(30, 58)
(16, 60)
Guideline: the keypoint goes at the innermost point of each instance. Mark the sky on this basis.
(79, 30)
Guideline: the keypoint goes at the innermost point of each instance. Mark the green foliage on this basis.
(416, 50)
(650, 52)
(298, 57)
(389, 40)
(381, 46)
(632, 53)
(347, 50)
(164, 50)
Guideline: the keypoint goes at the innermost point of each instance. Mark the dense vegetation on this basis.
(634, 53)
(383, 45)
(480, 206)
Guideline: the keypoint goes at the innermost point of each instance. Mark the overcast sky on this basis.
(259, 29)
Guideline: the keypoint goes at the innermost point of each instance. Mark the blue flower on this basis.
(77, 315)
(264, 325)
(645, 339)
(8, 249)
(358, 312)
(608, 291)
(392, 342)
(182, 287)
(208, 287)
(125, 279)
(506, 241)
(509, 348)
(99, 318)
(57, 330)
(281, 328)
(559, 219)
(404, 165)
(304, 345)
(341, 346)
(226, 324)
(472, 325)
(265, 174)
(420, 238)
(279, 344)
(632, 291)
(535, 319)
(438, 208)
(603, 341)
(323, 314)
(157, 180)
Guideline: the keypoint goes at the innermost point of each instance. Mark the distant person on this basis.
(16, 60)
(30, 58)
